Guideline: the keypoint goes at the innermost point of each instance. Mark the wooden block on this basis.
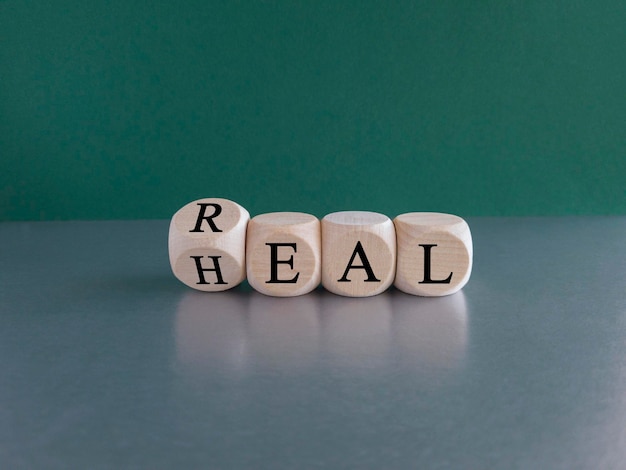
(284, 253)
(434, 253)
(207, 242)
(358, 253)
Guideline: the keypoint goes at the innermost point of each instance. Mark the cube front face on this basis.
(434, 253)
(206, 242)
(358, 253)
(284, 253)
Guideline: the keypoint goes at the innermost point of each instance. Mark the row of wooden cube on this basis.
(214, 246)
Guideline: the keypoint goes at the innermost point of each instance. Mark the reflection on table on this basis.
(236, 333)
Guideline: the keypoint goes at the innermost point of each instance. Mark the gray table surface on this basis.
(107, 361)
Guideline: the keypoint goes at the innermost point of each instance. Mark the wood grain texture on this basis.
(434, 253)
(283, 253)
(207, 240)
(358, 253)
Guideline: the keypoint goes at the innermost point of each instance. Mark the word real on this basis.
(214, 246)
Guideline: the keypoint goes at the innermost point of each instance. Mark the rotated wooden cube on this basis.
(207, 243)
(434, 253)
(358, 253)
(283, 253)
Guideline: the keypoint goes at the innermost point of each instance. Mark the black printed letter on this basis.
(201, 270)
(274, 264)
(427, 279)
(366, 265)
(209, 218)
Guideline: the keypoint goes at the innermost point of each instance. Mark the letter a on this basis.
(358, 249)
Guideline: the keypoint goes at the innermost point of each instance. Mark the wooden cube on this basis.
(434, 253)
(284, 253)
(358, 253)
(207, 243)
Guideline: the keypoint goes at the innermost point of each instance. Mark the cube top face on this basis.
(357, 219)
(206, 243)
(285, 219)
(358, 253)
(208, 217)
(434, 253)
(422, 222)
(283, 253)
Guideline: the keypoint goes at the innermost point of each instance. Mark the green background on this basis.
(122, 109)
